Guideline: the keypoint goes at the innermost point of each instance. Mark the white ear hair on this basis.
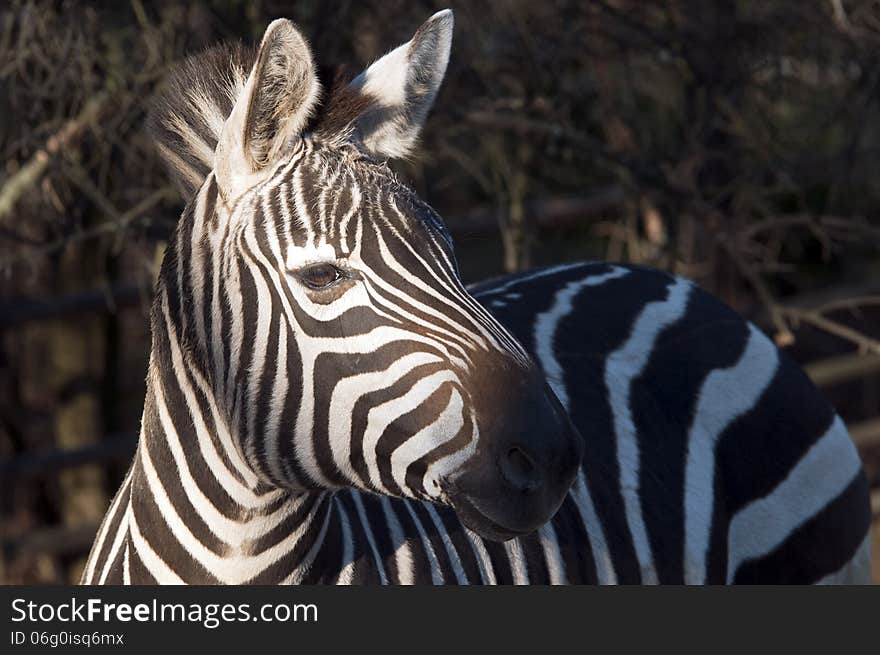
(402, 86)
(272, 109)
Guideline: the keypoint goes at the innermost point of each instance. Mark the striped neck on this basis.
(208, 515)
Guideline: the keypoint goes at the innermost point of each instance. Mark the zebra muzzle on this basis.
(522, 470)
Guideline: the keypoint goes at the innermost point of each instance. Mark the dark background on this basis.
(736, 143)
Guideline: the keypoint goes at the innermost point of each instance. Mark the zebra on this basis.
(327, 403)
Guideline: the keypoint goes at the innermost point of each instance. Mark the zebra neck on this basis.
(210, 518)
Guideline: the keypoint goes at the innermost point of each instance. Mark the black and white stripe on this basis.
(694, 528)
(347, 432)
(710, 452)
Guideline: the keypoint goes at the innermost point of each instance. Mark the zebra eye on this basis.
(320, 276)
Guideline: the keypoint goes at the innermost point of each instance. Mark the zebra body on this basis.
(691, 532)
(326, 403)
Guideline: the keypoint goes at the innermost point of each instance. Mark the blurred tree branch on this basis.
(31, 172)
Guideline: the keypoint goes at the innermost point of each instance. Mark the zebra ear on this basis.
(401, 87)
(274, 106)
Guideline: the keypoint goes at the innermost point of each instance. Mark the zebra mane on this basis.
(187, 114)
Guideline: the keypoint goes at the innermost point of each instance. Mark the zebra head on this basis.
(320, 299)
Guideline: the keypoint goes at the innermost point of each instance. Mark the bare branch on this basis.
(29, 174)
(783, 336)
(117, 225)
(865, 344)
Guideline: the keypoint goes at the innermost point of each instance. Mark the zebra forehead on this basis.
(322, 185)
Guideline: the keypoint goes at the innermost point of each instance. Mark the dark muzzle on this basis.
(527, 457)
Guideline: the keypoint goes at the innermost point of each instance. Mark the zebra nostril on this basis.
(520, 470)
